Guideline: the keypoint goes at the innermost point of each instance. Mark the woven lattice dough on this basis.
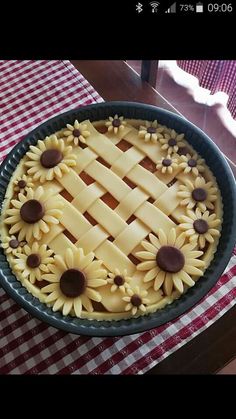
(114, 196)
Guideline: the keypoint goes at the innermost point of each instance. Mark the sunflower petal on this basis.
(214, 232)
(146, 255)
(154, 240)
(93, 295)
(151, 274)
(202, 241)
(50, 277)
(95, 265)
(86, 303)
(180, 240)
(195, 253)
(209, 237)
(69, 258)
(194, 262)
(58, 304)
(49, 288)
(192, 270)
(99, 273)
(145, 266)
(60, 263)
(159, 280)
(67, 307)
(162, 237)
(186, 278)
(168, 284)
(171, 237)
(178, 283)
(86, 260)
(52, 297)
(94, 283)
(78, 306)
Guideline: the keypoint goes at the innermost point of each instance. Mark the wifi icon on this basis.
(154, 5)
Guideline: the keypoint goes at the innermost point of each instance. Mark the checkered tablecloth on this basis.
(216, 76)
(30, 93)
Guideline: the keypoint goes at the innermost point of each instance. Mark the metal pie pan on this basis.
(216, 162)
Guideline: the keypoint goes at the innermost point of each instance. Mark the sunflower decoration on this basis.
(118, 280)
(74, 280)
(12, 245)
(23, 183)
(168, 261)
(192, 164)
(33, 261)
(76, 133)
(116, 124)
(167, 164)
(172, 142)
(33, 213)
(49, 159)
(200, 193)
(136, 300)
(200, 227)
(152, 131)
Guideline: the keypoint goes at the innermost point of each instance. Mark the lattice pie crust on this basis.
(111, 219)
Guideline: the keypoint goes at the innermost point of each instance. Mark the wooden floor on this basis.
(229, 368)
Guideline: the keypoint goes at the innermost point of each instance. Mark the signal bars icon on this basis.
(172, 8)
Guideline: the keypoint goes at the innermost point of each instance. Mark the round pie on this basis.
(111, 219)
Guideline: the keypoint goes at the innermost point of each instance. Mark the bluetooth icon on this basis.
(139, 7)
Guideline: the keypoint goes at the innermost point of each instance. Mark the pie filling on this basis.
(112, 219)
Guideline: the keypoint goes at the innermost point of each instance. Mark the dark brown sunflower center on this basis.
(151, 130)
(199, 194)
(22, 183)
(135, 300)
(192, 163)
(73, 283)
(200, 226)
(32, 211)
(76, 133)
(116, 122)
(14, 243)
(170, 259)
(33, 260)
(50, 158)
(172, 142)
(119, 280)
(182, 151)
(166, 162)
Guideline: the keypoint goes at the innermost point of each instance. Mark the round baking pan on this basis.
(216, 162)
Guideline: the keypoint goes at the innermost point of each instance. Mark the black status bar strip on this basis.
(155, 8)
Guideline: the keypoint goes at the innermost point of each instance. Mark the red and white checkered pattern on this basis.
(30, 93)
(216, 76)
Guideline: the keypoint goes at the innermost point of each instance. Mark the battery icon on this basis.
(199, 7)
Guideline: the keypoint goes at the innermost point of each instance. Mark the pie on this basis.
(111, 219)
